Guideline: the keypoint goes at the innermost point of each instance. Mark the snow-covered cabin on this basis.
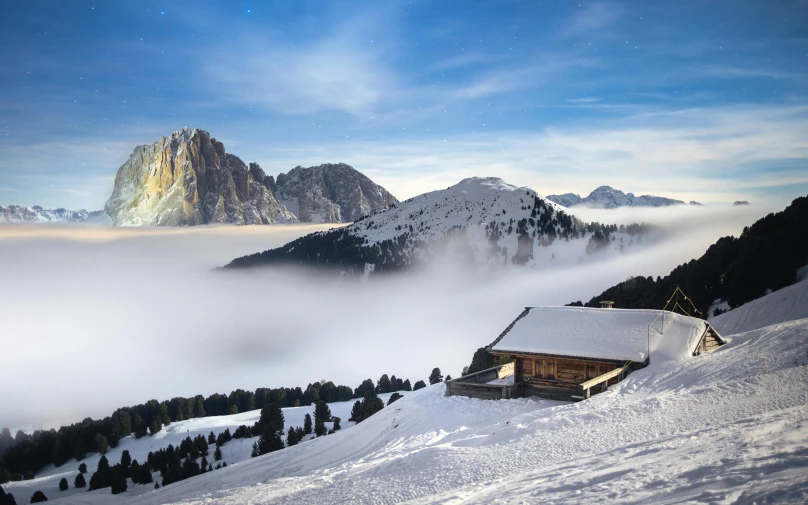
(568, 353)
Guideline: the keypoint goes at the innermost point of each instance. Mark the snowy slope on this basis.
(785, 304)
(718, 428)
(481, 220)
(234, 451)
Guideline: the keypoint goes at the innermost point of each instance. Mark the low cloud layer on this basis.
(92, 319)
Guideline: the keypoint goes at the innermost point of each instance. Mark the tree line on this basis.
(22, 455)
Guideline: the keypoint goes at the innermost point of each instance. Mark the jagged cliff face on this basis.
(188, 179)
(330, 193)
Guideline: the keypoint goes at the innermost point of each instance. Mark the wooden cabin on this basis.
(570, 353)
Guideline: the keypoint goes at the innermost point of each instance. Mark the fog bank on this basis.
(92, 319)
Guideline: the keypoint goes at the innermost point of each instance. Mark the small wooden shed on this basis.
(570, 353)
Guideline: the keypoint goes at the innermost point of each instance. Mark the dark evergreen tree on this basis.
(212, 439)
(418, 385)
(217, 454)
(384, 385)
(63, 485)
(291, 437)
(407, 386)
(118, 484)
(307, 424)
(79, 482)
(435, 376)
(39, 497)
(126, 459)
(322, 412)
(320, 429)
(356, 412)
(448, 378)
(394, 397)
(83, 468)
(336, 427)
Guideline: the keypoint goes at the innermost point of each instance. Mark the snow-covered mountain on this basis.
(607, 197)
(330, 193)
(482, 220)
(189, 179)
(36, 214)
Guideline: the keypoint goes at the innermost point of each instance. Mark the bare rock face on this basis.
(188, 179)
(331, 193)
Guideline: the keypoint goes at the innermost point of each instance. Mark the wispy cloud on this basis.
(593, 17)
(345, 70)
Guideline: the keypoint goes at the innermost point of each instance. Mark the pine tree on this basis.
(307, 424)
(100, 443)
(383, 385)
(217, 454)
(118, 483)
(126, 459)
(63, 486)
(322, 412)
(79, 481)
(39, 497)
(83, 468)
(394, 397)
(337, 427)
(319, 428)
(356, 412)
(435, 376)
(155, 426)
(212, 439)
(407, 385)
(448, 378)
(291, 437)
(418, 385)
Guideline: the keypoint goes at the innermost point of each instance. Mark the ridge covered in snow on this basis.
(607, 197)
(36, 214)
(482, 220)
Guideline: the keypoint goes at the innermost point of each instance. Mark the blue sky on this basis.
(695, 100)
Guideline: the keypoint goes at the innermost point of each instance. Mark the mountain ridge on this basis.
(609, 198)
(482, 220)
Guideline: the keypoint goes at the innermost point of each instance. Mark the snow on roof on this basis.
(615, 334)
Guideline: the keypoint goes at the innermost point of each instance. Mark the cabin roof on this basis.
(612, 334)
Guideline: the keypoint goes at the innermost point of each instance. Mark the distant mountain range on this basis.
(606, 197)
(484, 221)
(36, 214)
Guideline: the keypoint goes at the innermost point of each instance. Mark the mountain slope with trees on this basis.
(764, 257)
(482, 221)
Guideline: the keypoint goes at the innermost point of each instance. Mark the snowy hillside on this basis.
(606, 197)
(709, 429)
(786, 304)
(480, 220)
(234, 451)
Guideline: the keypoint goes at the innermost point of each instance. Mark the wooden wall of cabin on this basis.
(560, 372)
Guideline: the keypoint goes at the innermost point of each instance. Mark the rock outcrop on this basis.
(606, 197)
(188, 179)
(330, 193)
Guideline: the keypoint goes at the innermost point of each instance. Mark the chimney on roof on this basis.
(606, 304)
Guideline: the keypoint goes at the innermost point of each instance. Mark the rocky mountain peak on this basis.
(188, 178)
(330, 193)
